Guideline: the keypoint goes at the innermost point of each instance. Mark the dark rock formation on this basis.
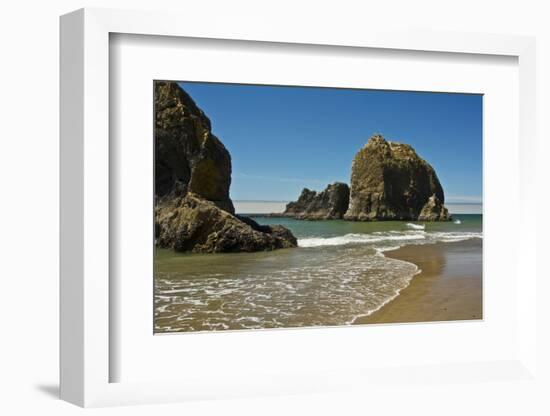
(434, 210)
(188, 157)
(193, 210)
(332, 203)
(191, 223)
(389, 181)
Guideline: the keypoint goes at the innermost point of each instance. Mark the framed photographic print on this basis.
(259, 214)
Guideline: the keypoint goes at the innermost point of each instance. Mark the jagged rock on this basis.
(188, 157)
(389, 181)
(191, 223)
(332, 203)
(434, 210)
(193, 210)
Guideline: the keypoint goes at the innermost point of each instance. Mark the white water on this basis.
(384, 237)
(416, 226)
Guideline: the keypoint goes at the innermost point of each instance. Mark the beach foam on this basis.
(332, 289)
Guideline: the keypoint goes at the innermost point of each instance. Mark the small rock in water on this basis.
(332, 203)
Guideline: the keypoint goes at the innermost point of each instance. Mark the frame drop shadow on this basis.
(51, 390)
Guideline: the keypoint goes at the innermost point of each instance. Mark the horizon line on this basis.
(286, 201)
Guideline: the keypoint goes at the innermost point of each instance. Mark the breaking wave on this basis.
(388, 237)
(358, 239)
(416, 226)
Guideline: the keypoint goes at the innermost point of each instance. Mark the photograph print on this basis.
(296, 207)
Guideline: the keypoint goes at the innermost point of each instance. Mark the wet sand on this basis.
(448, 288)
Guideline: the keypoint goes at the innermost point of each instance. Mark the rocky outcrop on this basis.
(191, 223)
(434, 210)
(193, 210)
(332, 203)
(188, 157)
(389, 181)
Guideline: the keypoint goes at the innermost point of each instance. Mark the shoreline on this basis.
(358, 320)
(447, 288)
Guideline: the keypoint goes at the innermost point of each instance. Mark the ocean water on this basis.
(264, 207)
(338, 273)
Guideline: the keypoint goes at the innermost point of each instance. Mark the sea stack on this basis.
(389, 181)
(188, 157)
(193, 210)
(332, 203)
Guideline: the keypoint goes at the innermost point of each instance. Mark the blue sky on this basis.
(283, 139)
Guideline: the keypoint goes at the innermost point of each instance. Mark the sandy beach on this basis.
(449, 286)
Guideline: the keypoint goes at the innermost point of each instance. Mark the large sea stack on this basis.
(332, 203)
(193, 210)
(389, 181)
(188, 157)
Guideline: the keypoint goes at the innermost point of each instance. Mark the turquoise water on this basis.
(337, 274)
(462, 223)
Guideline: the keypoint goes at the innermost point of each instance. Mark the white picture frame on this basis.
(85, 219)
